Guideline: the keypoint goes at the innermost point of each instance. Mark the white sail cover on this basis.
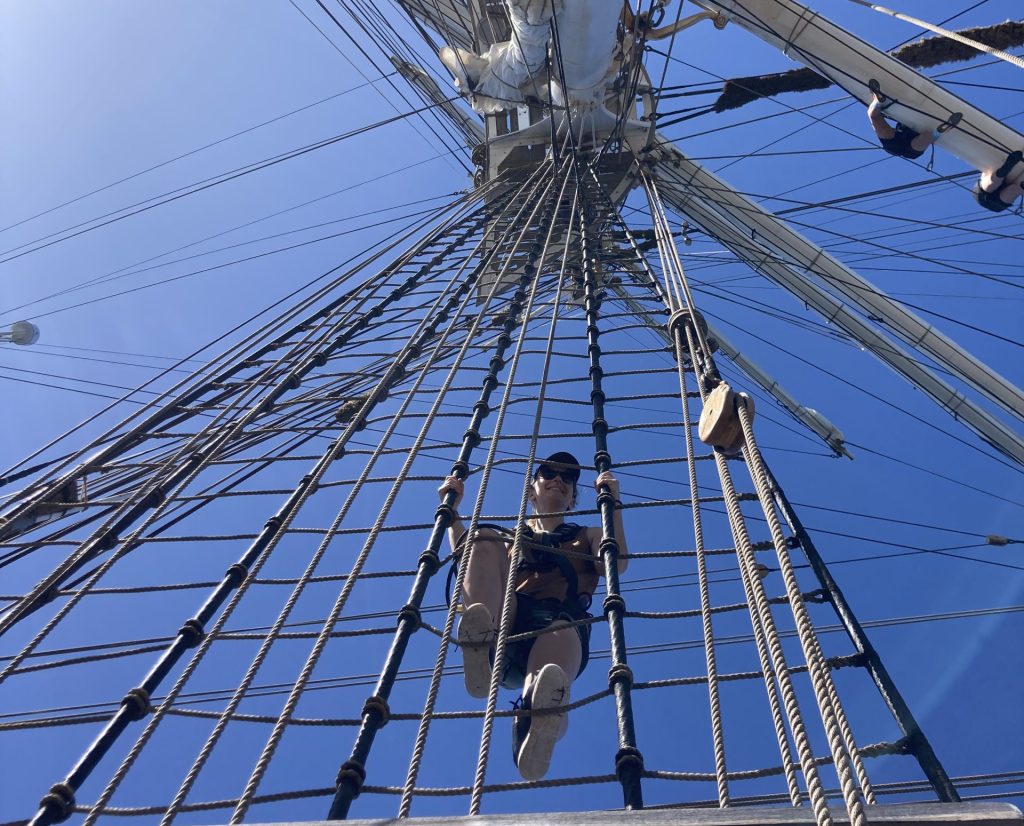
(502, 77)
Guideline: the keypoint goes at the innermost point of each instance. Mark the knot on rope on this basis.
(859, 660)
(59, 802)
(348, 409)
(613, 602)
(599, 426)
(410, 614)
(443, 511)
(902, 746)
(236, 573)
(192, 632)
(818, 597)
(602, 460)
(274, 523)
(608, 544)
(376, 703)
(137, 703)
(429, 561)
(352, 773)
(628, 760)
(107, 541)
(620, 673)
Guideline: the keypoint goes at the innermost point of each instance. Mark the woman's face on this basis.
(552, 495)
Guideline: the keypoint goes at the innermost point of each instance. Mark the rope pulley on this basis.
(719, 424)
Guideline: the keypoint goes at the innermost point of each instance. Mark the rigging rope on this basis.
(959, 38)
(358, 364)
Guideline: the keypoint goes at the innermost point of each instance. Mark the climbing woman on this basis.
(900, 140)
(993, 191)
(554, 585)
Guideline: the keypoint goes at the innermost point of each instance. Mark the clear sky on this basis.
(111, 108)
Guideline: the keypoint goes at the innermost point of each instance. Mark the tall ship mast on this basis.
(535, 437)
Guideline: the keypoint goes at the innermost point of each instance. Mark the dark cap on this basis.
(561, 461)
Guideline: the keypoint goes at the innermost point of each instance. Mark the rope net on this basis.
(232, 605)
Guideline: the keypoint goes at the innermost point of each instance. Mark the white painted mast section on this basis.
(586, 37)
(510, 71)
(767, 262)
(784, 244)
(849, 62)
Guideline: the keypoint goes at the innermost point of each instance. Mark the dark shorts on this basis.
(536, 615)
(900, 144)
(990, 200)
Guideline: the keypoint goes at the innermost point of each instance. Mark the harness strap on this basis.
(548, 560)
(544, 560)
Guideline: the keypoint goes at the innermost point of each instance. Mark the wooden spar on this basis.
(804, 35)
(686, 177)
(801, 267)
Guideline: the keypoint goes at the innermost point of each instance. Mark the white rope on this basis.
(974, 44)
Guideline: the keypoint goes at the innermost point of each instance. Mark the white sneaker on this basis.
(549, 690)
(476, 639)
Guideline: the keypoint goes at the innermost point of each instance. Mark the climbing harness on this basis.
(535, 614)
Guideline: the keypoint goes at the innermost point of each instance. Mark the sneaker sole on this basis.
(476, 638)
(551, 690)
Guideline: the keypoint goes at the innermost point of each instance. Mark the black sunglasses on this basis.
(548, 473)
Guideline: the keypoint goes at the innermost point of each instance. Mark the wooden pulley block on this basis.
(719, 424)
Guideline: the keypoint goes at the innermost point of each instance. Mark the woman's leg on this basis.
(483, 592)
(990, 181)
(922, 142)
(561, 647)
(553, 663)
(1010, 193)
(878, 122)
(487, 574)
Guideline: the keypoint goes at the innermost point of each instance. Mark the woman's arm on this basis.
(595, 534)
(456, 529)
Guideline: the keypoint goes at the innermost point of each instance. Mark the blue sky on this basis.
(97, 93)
